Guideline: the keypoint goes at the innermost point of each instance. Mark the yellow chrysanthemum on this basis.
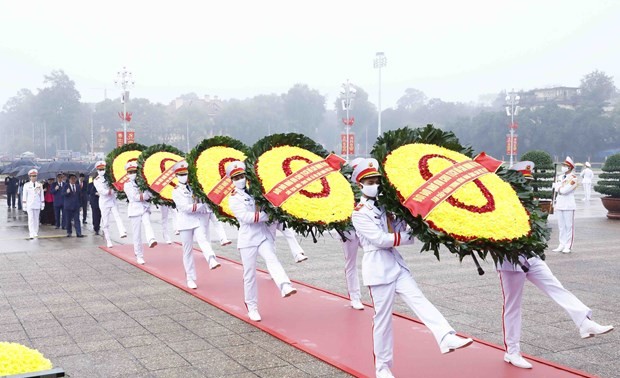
(155, 165)
(210, 166)
(18, 359)
(332, 205)
(118, 166)
(468, 216)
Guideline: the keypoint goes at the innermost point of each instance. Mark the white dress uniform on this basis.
(565, 207)
(33, 202)
(512, 279)
(218, 228)
(108, 206)
(139, 212)
(166, 213)
(586, 180)
(350, 248)
(293, 245)
(255, 237)
(191, 219)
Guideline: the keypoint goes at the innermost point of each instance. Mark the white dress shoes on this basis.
(300, 257)
(225, 242)
(288, 290)
(590, 328)
(566, 250)
(213, 264)
(451, 342)
(168, 241)
(124, 235)
(152, 243)
(559, 248)
(191, 284)
(254, 316)
(517, 360)
(140, 260)
(357, 304)
(110, 245)
(385, 373)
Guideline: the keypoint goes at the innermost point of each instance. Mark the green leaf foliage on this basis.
(141, 180)
(543, 174)
(609, 180)
(109, 160)
(531, 245)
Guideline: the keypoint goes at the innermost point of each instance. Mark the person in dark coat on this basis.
(93, 198)
(56, 191)
(11, 191)
(20, 191)
(83, 185)
(71, 193)
(47, 214)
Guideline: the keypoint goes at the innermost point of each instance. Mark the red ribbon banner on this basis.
(163, 180)
(302, 178)
(120, 183)
(442, 185)
(221, 190)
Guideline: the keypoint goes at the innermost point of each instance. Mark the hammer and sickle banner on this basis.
(156, 165)
(302, 178)
(443, 184)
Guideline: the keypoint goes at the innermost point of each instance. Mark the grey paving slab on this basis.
(97, 316)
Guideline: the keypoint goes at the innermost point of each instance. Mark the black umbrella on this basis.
(22, 172)
(57, 167)
(14, 167)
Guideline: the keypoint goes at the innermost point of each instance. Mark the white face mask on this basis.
(132, 176)
(182, 179)
(564, 169)
(240, 184)
(370, 190)
(100, 173)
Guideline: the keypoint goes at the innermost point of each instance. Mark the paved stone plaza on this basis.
(97, 316)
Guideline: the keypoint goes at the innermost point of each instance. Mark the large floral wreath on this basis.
(152, 163)
(115, 164)
(494, 214)
(324, 204)
(207, 168)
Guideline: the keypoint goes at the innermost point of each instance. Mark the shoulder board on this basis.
(234, 192)
(359, 206)
(572, 182)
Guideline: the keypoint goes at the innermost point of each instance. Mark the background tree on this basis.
(597, 87)
(304, 109)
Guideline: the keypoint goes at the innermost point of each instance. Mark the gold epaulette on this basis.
(359, 206)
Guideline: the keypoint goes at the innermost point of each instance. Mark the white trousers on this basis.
(587, 188)
(33, 222)
(350, 248)
(188, 237)
(136, 223)
(105, 222)
(566, 219)
(218, 227)
(512, 289)
(248, 257)
(165, 216)
(291, 239)
(383, 299)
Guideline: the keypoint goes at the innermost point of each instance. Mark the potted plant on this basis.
(543, 174)
(609, 186)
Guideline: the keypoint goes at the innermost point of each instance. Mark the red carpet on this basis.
(322, 323)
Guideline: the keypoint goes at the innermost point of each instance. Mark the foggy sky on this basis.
(454, 50)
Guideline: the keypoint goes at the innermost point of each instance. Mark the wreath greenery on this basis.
(141, 179)
(533, 244)
(109, 160)
(256, 189)
(199, 191)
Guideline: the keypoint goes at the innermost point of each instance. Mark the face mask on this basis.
(182, 179)
(564, 169)
(370, 190)
(240, 184)
(100, 173)
(132, 176)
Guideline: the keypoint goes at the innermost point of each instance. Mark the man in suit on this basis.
(11, 191)
(83, 186)
(72, 194)
(33, 202)
(385, 273)
(93, 198)
(56, 190)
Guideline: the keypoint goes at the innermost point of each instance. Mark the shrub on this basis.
(544, 173)
(609, 181)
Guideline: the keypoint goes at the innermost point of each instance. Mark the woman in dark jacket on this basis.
(47, 215)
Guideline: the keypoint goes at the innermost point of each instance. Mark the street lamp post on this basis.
(347, 94)
(512, 110)
(124, 80)
(380, 62)
(187, 127)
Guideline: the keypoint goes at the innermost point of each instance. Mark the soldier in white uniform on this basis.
(565, 205)
(191, 219)
(512, 279)
(291, 238)
(107, 205)
(166, 212)
(219, 229)
(33, 202)
(255, 237)
(586, 180)
(139, 211)
(385, 273)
